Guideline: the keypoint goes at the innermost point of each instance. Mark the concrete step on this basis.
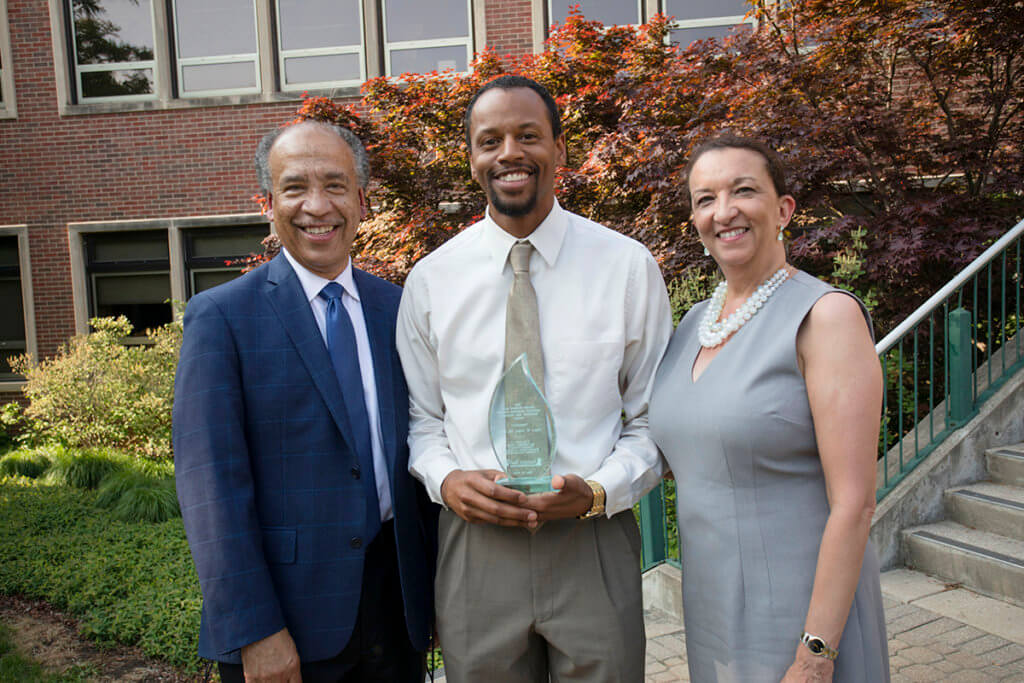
(986, 562)
(1006, 464)
(997, 508)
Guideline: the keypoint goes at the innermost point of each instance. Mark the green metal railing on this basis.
(939, 365)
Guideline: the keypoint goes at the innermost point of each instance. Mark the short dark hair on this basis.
(508, 82)
(262, 157)
(730, 141)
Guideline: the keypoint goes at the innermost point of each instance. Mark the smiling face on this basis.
(513, 155)
(737, 211)
(315, 202)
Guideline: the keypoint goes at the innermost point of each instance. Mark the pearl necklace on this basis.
(712, 333)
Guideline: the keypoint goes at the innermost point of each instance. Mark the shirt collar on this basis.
(546, 238)
(313, 283)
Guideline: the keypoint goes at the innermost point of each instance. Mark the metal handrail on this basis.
(972, 269)
(939, 365)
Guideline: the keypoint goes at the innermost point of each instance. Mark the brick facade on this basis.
(173, 162)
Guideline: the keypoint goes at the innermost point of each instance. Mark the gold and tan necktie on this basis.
(522, 322)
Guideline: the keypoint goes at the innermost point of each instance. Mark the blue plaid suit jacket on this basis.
(264, 468)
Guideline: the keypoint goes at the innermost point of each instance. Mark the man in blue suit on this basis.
(314, 547)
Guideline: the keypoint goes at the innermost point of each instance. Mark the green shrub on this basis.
(126, 583)
(85, 469)
(116, 483)
(98, 392)
(149, 500)
(30, 463)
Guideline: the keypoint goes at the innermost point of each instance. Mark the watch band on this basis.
(596, 507)
(818, 647)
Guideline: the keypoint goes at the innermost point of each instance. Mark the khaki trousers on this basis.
(563, 604)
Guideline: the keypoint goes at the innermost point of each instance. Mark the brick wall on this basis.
(509, 27)
(145, 164)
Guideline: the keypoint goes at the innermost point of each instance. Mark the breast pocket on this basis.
(585, 371)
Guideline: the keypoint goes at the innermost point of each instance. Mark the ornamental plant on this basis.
(98, 392)
(901, 123)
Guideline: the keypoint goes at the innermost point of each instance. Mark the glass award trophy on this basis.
(522, 430)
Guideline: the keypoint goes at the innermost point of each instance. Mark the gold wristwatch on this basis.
(597, 507)
(818, 647)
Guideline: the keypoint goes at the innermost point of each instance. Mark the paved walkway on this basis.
(937, 632)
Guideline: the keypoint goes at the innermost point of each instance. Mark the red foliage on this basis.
(902, 117)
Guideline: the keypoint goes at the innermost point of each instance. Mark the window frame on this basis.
(641, 6)
(386, 47)
(272, 86)
(81, 290)
(78, 69)
(27, 299)
(8, 109)
(180, 63)
(283, 54)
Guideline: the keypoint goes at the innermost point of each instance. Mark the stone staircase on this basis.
(981, 543)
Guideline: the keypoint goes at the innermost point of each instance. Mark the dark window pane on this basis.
(309, 24)
(684, 36)
(114, 83)
(425, 59)
(140, 297)
(112, 247)
(608, 12)
(321, 68)
(218, 76)
(226, 245)
(705, 9)
(12, 312)
(418, 20)
(113, 30)
(215, 27)
(9, 251)
(211, 278)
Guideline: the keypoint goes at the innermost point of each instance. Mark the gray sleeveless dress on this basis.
(751, 500)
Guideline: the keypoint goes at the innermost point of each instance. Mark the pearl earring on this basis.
(780, 233)
(706, 252)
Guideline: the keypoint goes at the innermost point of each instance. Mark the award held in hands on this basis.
(522, 430)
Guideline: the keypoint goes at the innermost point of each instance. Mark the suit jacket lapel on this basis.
(380, 329)
(288, 300)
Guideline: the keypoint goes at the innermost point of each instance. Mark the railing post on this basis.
(958, 340)
(652, 528)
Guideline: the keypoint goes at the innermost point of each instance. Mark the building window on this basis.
(113, 43)
(608, 12)
(703, 19)
(208, 252)
(137, 268)
(216, 46)
(320, 43)
(13, 340)
(128, 273)
(420, 37)
(6, 75)
(162, 50)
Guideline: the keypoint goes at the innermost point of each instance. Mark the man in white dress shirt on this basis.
(547, 585)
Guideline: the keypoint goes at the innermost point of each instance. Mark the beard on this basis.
(520, 208)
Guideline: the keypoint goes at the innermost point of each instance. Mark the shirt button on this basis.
(355, 473)
(356, 543)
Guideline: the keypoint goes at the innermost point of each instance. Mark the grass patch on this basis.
(126, 582)
(154, 500)
(29, 463)
(85, 469)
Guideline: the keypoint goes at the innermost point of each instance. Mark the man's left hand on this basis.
(571, 498)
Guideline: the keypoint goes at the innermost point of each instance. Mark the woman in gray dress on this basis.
(767, 408)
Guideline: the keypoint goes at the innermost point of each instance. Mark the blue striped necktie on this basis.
(341, 345)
